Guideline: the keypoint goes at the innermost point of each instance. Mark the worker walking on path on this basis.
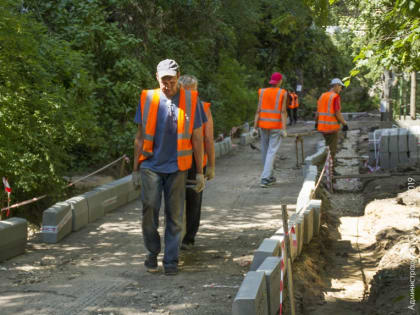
(169, 132)
(328, 116)
(194, 199)
(292, 107)
(271, 119)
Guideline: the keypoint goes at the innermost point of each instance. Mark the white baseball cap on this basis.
(336, 81)
(167, 67)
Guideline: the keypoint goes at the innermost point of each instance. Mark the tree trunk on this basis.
(413, 95)
(387, 94)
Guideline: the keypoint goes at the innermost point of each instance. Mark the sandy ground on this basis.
(359, 264)
(99, 269)
(366, 259)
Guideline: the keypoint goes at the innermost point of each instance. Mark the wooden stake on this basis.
(288, 259)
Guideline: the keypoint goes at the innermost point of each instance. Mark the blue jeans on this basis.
(173, 188)
(270, 144)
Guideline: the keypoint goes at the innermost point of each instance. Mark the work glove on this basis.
(254, 133)
(210, 172)
(200, 185)
(345, 128)
(283, 133)
(136, 179)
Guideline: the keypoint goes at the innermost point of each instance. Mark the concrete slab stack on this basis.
(13, 236)
(384, 155)
(251, 298)
(56, 222)
(399, 147)
(271, 268)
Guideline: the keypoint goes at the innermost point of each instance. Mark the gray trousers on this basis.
(270, 144)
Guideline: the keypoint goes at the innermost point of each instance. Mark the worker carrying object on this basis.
(270, 117)
(328, 116)
(194, 199)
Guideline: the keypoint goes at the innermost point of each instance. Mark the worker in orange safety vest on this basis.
(194, 199)
(328, 116)
(292, 107)
(270, 117)
(169, 136)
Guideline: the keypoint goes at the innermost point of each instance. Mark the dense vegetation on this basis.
(71, 72)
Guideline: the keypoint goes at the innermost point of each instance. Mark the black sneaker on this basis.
(265, 183)
(187, 246)
(151, 264)
(171, 271)
(272, 180)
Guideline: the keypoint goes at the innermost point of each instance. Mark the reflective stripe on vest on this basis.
(271, 101)
(327, 121)
(186, 113)
(295, 103)
(206, 109)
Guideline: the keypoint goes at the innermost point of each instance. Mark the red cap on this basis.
(276, 77)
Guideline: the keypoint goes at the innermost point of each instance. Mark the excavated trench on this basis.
(368, 243)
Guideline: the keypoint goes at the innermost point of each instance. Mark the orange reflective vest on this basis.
(206, 109)
(186, 112)
(294, 103)
(271, 101)
(327, 121)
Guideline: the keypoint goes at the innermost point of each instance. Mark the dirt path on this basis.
(99, 270)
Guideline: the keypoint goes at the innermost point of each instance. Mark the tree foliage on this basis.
(71, 71)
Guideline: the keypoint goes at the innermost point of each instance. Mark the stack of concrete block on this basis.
(13, 236)
(56, 222)
(64, 217)
(398, 147)
(271, 267)
(268, 247)
(251, 298)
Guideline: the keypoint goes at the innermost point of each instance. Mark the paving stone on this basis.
(300, 222)
(217, 150)
(384, 142)
(96, 208)
(393, 159)
(393, 139)
(315, 205)
(56, 222)
(251, 298)
(80, 212)
(309, 225)
(271, 268)
(13, 236)
(384, 160)
(268, 247)
(402, 140)
(116, 193)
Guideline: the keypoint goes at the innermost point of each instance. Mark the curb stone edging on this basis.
(307, 223)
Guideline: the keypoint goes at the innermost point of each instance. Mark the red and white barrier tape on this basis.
(23, 203)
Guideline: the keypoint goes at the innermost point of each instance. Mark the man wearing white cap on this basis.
(169, 136)
(328, 116)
